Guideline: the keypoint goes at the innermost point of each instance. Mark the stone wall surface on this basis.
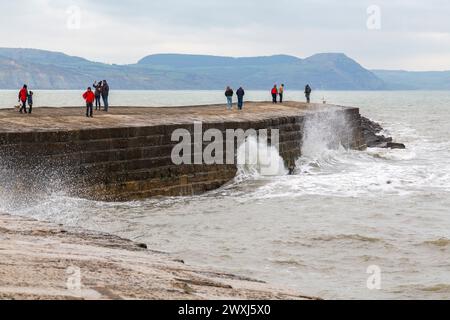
(126, 154)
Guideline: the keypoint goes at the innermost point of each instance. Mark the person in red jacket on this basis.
(23, 96)
(274, 94)
(89, 96)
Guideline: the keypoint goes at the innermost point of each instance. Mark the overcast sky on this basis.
(413, 34)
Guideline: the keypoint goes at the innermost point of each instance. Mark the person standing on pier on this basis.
(229, 94)
(274, 94)
(105, 94)
(281, 93)
(98, 94)
(23, 97)
(30, 102)
(308, 91)
(89, 96)
(240, 95)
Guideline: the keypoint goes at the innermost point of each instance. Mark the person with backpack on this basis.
(281, 93)
(23, 97)
(229, 94)
(308, 91)
(240, 95)
(274, 94)
(89, 97)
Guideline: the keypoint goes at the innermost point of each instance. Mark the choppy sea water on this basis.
(317, 231)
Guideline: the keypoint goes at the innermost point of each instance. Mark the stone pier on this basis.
(126, 154)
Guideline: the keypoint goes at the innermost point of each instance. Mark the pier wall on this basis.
(134, 162)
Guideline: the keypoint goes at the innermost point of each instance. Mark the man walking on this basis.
(89, 96)
(229, 94)
(308, 91)
(274, 94)
(23, 97)
(240, 95)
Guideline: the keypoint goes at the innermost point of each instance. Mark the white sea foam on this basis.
(256, 159)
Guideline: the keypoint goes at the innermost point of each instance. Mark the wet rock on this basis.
(179, 261)
(373, 139)
(142, 245)
(393, 145)
(33, 268)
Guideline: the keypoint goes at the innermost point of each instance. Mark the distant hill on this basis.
(199, 61)
(53, 70)
(408, 80)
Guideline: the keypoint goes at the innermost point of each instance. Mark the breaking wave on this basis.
(257, 159)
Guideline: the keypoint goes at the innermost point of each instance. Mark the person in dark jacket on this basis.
(23, 96)
(98, 95)
(274, 93)
(229, 94)
(30, 102)
(308, 91)
(105, 94)
(240, 95)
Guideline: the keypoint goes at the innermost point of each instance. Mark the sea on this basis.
(348, 224)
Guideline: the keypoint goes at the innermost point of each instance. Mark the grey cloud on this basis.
(124, 31)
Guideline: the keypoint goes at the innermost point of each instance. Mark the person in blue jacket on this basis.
(30, 101)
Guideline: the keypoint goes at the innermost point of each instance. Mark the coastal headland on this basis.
(126, 154)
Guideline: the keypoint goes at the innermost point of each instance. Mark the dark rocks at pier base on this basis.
(393, 145)
(371, 131)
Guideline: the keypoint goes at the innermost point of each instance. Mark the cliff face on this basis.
(127, 154)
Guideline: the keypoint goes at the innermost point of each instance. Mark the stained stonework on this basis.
(126, 154)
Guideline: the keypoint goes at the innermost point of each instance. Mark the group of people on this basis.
(240, 93)
(276, 92)
(25, 97)
(101, 93)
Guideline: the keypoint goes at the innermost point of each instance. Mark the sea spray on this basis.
(257, 158)
(326, 135)
(325, 131)
(25, 184)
